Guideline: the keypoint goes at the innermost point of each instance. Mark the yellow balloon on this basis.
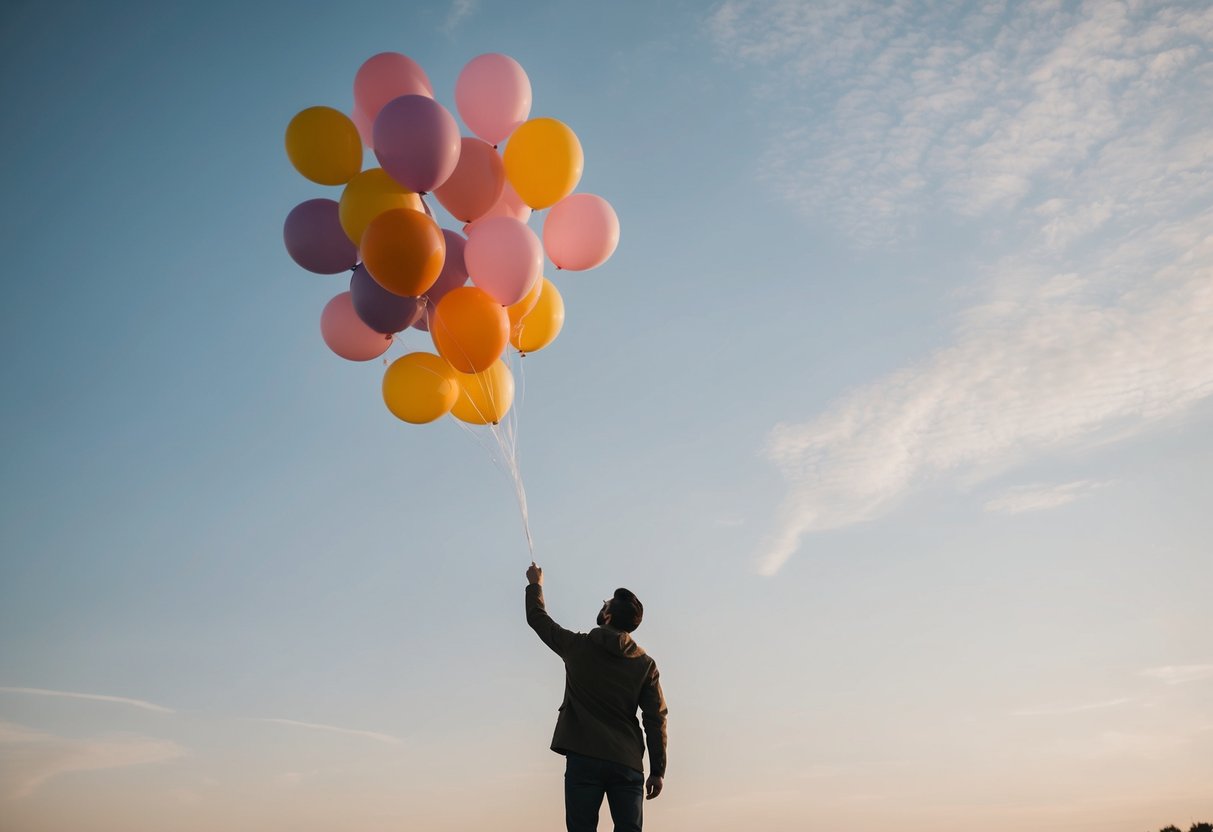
(541, 325)
(323, 144)
(368, 195)
(420, 387)
(484, 397)
(543, 161)
(516, 312)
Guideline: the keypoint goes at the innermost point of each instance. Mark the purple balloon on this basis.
(315, 240)
(380, 309)
(453, 275)
(417, 142)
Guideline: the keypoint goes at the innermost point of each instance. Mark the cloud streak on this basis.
(1041, 497)
(372, 735)
(29, 758)
(1180, 674)
(91, 697)
(1077, 137)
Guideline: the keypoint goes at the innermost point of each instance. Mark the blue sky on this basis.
(892, 406)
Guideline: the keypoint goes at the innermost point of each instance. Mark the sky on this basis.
(893, 406)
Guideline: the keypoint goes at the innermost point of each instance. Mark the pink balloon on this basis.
(365, 125)
(504, 258)
(347, 335)
(580, 232)
(386, 76)
(493, 95)
(509, 204)
(477, 182)
(417, 142)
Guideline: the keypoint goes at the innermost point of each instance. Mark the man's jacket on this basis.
(607, 677)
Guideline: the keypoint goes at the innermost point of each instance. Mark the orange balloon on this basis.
(541, 325)
(420, 387)
(476, 184)
(470, 329)
(404, 251)
(519, 310)
(484, 397)
(368, 195)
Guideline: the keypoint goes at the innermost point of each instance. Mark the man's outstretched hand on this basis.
(653, 787)
(534, 575)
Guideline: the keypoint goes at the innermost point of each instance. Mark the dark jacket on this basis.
(607, 677)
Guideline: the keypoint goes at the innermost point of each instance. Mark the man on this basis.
(607, 677)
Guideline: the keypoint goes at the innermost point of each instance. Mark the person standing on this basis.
(607, 677)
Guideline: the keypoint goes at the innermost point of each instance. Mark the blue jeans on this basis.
(587, 779)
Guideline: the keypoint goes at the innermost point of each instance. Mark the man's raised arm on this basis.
(553, 635)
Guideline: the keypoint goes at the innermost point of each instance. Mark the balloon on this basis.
(314, 238)
(504, 258)
(386, 76)
(493, 95)
(580, 232)
(543, 161)
(517, 311)
(368, 195)
(484, 397)
(347, 335)
(403, 250)
(380, 309)
(541, 325)
(470, 329)
(420, 387)
(509, 204)
(365, 125)
(476, 184)
(323, 145)
(417, 142)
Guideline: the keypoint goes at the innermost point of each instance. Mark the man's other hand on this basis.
(534, 575)
(653, 787)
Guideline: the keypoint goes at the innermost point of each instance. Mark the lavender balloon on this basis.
(453, 275)
(314, 238)
(378, 308)
(417, 142)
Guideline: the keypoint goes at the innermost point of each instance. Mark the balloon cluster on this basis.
(409, 272)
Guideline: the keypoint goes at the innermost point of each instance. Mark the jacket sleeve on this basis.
(653, 713)
(552, 634)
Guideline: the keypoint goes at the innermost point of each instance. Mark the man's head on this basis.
(622, 611)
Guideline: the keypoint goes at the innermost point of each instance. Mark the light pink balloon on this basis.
(504, 258)
(580, 232)
(386, 76)
(493, 95)
(365, 125)
(347, 335)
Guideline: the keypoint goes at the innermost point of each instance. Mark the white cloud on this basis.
(1077, 133)
(1066, 710)
(374, 735)
(92, 697)
(29, 758)
(459, 11)
(1041, 497)
(1180, 674)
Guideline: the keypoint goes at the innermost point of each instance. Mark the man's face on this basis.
(604, 614)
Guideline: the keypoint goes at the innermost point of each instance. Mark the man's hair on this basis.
(626, 610)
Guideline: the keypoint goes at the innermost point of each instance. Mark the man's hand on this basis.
(653, 787)
(534, 575)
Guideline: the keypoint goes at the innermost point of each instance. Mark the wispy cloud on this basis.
(373, 735)
(1180, 674)
(1077, 132)
(459, 11)
(1041, 497)
(29, 758)
(91, 697)
(1065, 710)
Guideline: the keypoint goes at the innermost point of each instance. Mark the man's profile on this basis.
(607, 678)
